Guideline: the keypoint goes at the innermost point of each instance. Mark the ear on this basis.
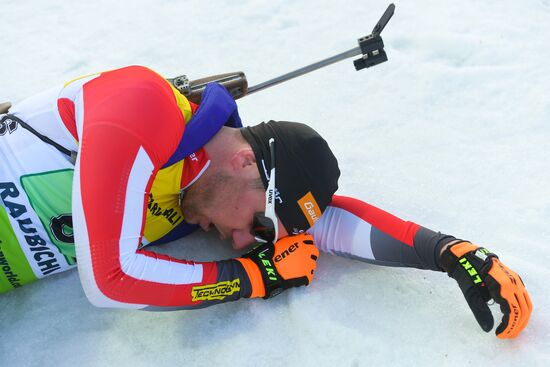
(243, 158)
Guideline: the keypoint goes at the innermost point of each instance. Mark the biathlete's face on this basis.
(227, 201)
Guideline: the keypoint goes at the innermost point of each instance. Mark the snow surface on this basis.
(450, 133)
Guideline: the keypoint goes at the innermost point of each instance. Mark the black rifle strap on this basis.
(71, 154)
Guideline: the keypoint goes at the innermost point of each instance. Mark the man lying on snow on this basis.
(95, 171)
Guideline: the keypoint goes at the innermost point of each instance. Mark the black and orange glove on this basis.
(290, 262)
(482, 277)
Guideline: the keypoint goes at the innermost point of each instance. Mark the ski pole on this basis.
(371, 49)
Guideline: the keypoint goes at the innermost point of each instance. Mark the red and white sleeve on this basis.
(353, 228)
(129, 125)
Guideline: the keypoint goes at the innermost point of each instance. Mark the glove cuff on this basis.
(448, 260)
(456, 254)
(254, 276)
(468, 264)
(262, 257)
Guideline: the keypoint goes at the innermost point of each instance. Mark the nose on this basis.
(241, 239)
(205, 224)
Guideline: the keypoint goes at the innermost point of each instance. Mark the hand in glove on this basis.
(290, 262)
(482, 277)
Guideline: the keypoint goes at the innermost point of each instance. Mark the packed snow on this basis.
(451, 133)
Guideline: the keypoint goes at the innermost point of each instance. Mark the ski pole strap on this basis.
(10, 119)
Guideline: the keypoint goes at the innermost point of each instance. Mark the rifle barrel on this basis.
(306, 69)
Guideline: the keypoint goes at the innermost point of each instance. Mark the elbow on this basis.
(104, 291)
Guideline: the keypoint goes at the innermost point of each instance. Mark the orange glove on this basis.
(274, 268)
(481, 277)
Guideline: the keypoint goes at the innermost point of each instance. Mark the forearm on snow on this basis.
(356, 229)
